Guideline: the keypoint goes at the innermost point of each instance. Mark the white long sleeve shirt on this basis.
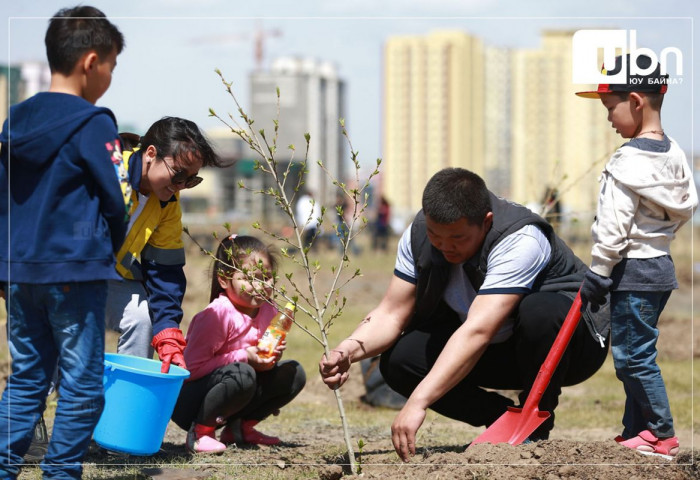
(645, 197)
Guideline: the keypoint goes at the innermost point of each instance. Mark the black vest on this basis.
(563, 274)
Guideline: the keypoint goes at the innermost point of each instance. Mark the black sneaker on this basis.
(40, 443)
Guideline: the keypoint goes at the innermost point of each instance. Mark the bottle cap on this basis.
(290, 306)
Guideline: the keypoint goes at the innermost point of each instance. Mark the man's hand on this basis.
(593, 290)
(335, 370)
(404, 428)
(170, 345)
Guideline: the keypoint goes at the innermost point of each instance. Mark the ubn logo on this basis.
(586, 63)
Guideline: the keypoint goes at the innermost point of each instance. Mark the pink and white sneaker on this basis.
(647, 443)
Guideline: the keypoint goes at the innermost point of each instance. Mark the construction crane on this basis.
(259, 36)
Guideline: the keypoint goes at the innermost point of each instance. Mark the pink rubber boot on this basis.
(251, 435)
(242, 431)
(231, 433)
(200, 439)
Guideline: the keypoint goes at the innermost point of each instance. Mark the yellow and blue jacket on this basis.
(153, 252)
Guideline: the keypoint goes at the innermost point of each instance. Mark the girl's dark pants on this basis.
(237, 391)
(511, 365)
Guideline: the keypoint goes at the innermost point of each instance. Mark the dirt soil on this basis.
(304, 453)
(547, 460)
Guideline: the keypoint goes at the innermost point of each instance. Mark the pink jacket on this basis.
(219, 335)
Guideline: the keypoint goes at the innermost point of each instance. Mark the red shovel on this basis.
(517, 424)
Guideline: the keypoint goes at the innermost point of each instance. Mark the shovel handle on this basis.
(554, 356)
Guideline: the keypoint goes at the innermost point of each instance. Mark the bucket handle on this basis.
(109, 368)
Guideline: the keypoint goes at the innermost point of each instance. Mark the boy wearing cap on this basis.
(647, 193)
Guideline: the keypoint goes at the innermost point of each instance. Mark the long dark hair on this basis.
(74, 31)
(231, 255)
(175, 137)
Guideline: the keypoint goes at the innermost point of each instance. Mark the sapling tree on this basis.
(319, 299)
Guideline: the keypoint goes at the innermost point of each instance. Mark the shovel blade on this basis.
(512, 427)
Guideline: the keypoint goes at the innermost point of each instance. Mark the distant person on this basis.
(308, 214)
(382, 226)
(230, 385)
(481, 287)
(647, 193)
(551, 206)
(144, 304)
(63, 212)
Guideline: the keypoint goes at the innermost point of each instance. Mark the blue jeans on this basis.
(47, 324)
(634, 335)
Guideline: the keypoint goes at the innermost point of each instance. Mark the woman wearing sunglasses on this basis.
(145, 305)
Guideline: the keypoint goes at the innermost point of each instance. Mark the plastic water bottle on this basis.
(276, 331)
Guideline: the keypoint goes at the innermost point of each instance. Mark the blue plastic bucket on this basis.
(139, 401)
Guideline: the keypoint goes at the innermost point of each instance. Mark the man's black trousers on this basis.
(511, 365)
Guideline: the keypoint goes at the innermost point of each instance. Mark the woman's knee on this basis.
(137, 319)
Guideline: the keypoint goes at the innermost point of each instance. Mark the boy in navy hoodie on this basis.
(62, 210)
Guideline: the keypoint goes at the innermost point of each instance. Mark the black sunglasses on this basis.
(179, 177)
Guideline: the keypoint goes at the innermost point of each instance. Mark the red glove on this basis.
(170, 345)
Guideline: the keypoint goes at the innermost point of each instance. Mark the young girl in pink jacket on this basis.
(229, 384)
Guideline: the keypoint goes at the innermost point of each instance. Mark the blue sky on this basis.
(173, 47)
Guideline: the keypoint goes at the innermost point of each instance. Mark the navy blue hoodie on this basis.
(61, 204)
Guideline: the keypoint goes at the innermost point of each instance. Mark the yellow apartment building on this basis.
(510, 115)
(559, 140)
(433, 112)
